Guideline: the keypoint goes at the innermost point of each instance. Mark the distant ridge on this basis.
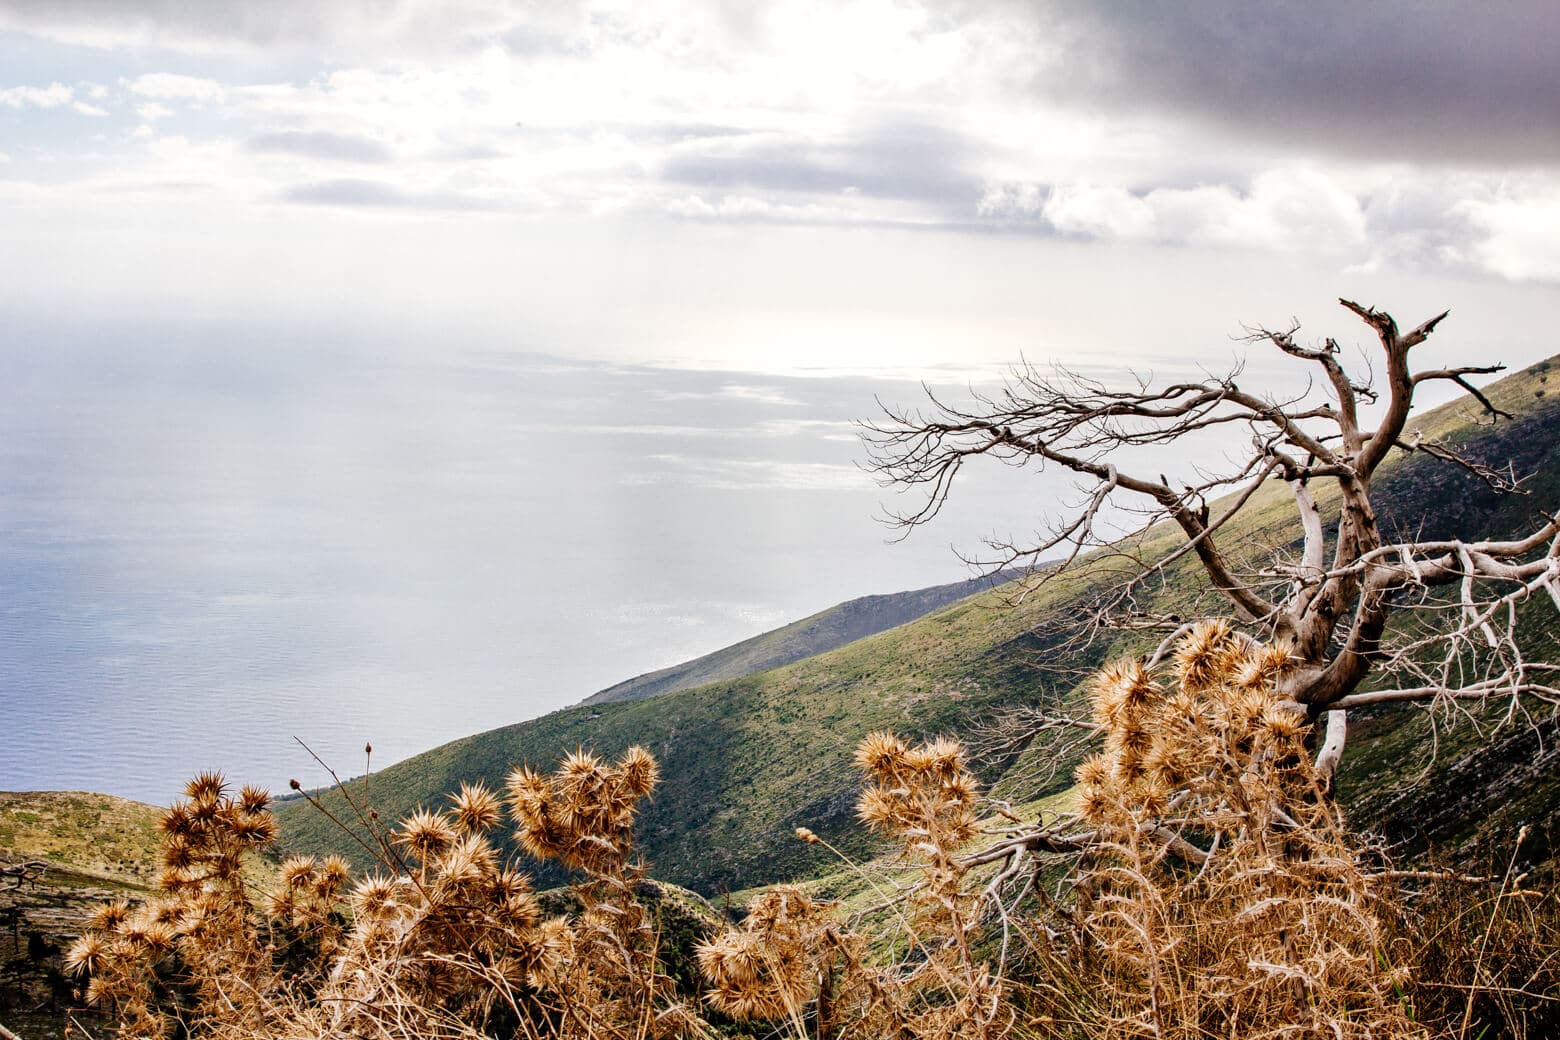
(821, 632)
(748, 760)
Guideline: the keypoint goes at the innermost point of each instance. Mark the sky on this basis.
(791, 186)
(384, 346)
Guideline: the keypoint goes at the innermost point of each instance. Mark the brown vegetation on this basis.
(1206, 888)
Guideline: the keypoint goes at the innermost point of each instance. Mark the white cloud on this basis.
(1521, 234)
(1285, 208)
(867, 115)
(732, 392)
(89, 110)
(52, 96)
(175, 85)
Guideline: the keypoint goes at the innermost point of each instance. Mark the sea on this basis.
(257, 551)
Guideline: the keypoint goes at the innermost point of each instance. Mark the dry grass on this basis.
(1216, 893)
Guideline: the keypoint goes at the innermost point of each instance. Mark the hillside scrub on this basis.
(758, 756)
(1204, 888)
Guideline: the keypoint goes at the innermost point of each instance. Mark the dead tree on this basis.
(1331, 602)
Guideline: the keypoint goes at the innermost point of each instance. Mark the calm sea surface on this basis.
(213, 541)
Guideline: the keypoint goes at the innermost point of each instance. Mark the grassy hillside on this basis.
(95, 847)
(824, 631)
(747, 760)
(97, 835)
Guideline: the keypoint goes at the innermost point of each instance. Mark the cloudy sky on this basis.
(352, 351)
(783, 186)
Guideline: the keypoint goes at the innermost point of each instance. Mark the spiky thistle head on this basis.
(1283, 723)
(640, 772)
(374, 898)
(1098, 803)
(169, 913)
(881, 810)
(87, 955)
(527, 790)
(1202, 657)
(581, 767)
(555, 944)
(516, 908)
(922, 795)
(583, 813)
(1263, 666)
(206, 788)
(1094, 771)
(959, 789)
(476, 809)
(1164, 763)
(254, 800)
(427, 834)
(767, 968)
(254, 829)
(280, 903)
(941, 757)
(509, 883)
(146, 932)
(334, 873)
(180, 879)
(470, 861)
(881, 754)
(299, 872)
(110, 916)
(755, 977)
(177, 820)
(178, 853)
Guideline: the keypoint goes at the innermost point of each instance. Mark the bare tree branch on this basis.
(1444, 614)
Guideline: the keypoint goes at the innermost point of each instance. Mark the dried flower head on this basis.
(881, 754)
(476, 809)
(206, 788)
(427, 834)
(640, 771)
(253, 800)
(299, 872)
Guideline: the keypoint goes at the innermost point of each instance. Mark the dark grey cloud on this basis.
(1387, 79)
(321, 145)
(349, 191)
(902, 162)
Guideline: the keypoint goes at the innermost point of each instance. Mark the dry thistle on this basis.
(1225, 898)
(476, 809)
(426, 834)
(769, 968)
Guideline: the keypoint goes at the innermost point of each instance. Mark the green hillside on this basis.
(113, 840)
(84, 849)
(747, 760)
(819, 633)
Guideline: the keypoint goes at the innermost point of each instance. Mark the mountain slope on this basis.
(747, 760)
(824, 631)
(98, 835)
(94, 847)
